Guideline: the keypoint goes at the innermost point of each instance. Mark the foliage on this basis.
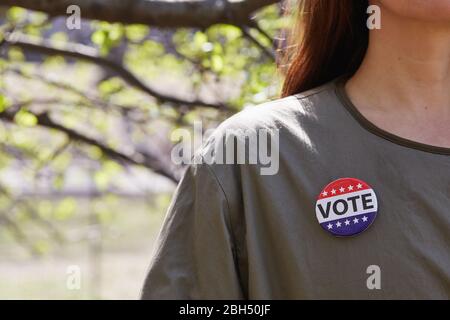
(60, 113)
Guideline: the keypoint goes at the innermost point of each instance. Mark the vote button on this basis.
(346, 207)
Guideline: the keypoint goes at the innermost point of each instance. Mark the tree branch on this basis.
(264, 49)
(149, 161)
(86, 98)
(30, 210)
(18, 234)
(83, 52)
(160, 13)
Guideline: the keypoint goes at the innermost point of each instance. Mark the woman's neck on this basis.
(405, 78)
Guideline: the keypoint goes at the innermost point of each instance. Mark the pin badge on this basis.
(346, 207)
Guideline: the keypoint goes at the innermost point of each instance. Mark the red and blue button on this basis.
(346, 207)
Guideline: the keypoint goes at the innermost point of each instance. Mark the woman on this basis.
(359, 206)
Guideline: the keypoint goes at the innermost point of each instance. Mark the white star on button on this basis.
(338, 224)
(333, 191)
(347, 222)
(364, 219)
(330, 226)
(355, 221)
(350, 188)
(324, 193)
(359, 185)
(342, 189)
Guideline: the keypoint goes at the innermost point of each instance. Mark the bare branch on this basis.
(160, 13)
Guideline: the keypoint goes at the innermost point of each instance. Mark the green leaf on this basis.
(16, 14)
(110, 86)
(25, 118)
(65, 209)
(216, 63)
(4, 103)
(16, 54)
(107, 36)
(59, 37)
(200, 39)
(41, 246)
(136, 32)
(99, 37)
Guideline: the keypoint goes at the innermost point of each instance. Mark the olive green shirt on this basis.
(234, 233)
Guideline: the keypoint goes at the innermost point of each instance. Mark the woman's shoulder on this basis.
(281, 112)
(257, 139)
(294, 120)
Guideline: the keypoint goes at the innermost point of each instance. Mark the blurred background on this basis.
(90, 92)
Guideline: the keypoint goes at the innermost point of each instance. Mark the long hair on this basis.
(330, 39)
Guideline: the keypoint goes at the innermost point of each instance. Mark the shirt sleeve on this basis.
(195, 257)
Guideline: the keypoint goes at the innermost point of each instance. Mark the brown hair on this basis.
(330, 40)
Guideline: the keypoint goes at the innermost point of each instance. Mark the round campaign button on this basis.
(346, 207)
